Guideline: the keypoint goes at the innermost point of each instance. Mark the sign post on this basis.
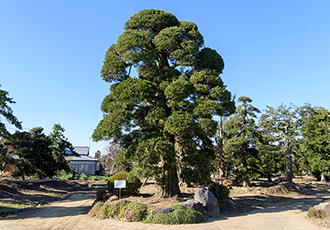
(120, 184)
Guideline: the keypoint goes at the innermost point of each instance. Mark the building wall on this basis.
(88, 168)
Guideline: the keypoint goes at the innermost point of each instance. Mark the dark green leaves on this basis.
(180, 123)
(151, 20)
(7, 112)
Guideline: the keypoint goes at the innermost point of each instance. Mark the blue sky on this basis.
(52, 52)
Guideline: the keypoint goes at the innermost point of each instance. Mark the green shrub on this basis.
(316, 213)
(93, 177)
(133, 184)
(221, 192)
(180, 215)
(67, 176)
(83, 176)
(100, 194)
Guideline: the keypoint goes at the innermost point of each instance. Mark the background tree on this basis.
(97, 154)
(241, 138)
(271, 158)
(20, 143)
(284, 123)
(163, 116)
(316, 139)
(7, 113)
(59, 146)
(35, 154)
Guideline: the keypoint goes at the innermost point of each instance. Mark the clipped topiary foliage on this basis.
(100, 194)
(133, 184)
(220, 191)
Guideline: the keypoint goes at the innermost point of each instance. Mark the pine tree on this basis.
(241, 138)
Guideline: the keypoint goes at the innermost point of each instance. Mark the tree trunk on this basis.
(324, 178)
(288, 165)
(219, 147)
(171, 188)
(269, 177)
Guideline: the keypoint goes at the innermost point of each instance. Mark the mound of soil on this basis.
(18, 196)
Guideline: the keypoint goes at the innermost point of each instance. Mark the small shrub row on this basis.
(105, 178)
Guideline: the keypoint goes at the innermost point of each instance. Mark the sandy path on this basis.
(72, 214)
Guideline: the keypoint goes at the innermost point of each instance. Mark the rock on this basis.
(209, 201)
(195, 205)
(161, 210)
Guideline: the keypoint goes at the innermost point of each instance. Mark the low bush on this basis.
(133, 184)
(316, 213)
(67, 176)
(100, 194)
(83, 176)
(180, 215)
(220, 191)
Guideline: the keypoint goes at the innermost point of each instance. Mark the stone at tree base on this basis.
(209, 201)
(161, 210)
(195, 205)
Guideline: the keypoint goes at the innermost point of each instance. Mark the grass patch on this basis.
(316, 213)
(133, 211)
(180, 215)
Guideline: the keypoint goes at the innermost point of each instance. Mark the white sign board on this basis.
(120, 184)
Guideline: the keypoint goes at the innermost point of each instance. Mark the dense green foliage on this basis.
(315, 143)
(100, 194)
(34, 153)
(164, 115)
(133, 183)
(221, 192)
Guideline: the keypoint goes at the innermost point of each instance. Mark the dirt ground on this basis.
(260, 206)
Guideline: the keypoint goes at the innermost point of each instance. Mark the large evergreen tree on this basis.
(241, 137)
(164, 115)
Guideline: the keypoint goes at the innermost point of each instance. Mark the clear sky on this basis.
(52, 52)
